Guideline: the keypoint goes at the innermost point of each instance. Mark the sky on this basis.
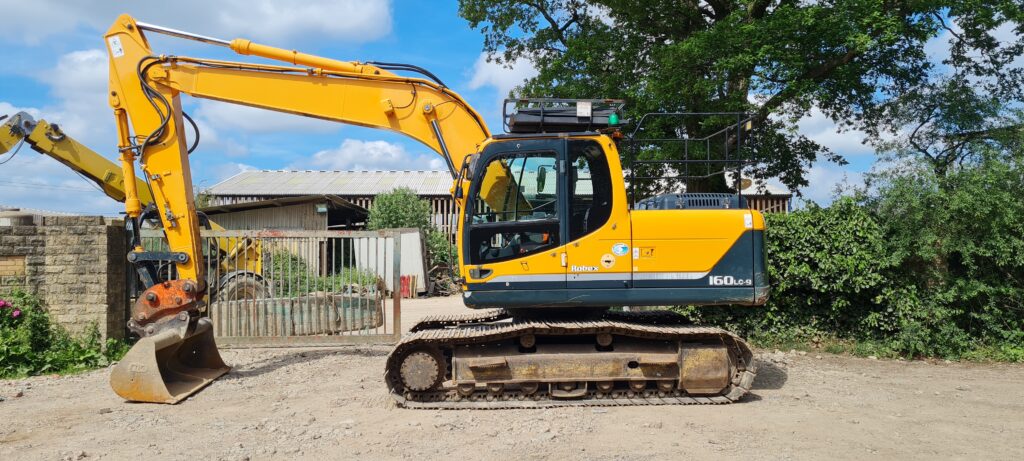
(57, 70)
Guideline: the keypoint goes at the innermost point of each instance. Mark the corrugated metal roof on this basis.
(344, 183)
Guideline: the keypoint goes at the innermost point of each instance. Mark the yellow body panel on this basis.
(543, 263)
(686, 240)
(659, 241)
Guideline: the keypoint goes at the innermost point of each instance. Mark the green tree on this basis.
(952, 121)
(403, 208)
(400, 207)
(778, 59)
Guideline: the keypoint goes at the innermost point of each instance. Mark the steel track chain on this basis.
(434, 322)
(653, 324)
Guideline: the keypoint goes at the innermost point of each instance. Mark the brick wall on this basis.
(76, 264)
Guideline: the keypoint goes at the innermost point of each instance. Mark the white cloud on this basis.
(7, 108)
(355, 21)
(348, 20)
(602, 13)
(354, 154)
(215, 173)
(824, 178)
(500, 77)
(819, 128)
(79, 82)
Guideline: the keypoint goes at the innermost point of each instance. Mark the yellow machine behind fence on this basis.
(237, 261)
(547, 236)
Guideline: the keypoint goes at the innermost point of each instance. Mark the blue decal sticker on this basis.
(620, 249)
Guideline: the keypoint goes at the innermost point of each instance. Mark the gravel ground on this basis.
(331, 404)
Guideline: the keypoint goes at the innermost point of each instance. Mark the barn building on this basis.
(353, 188)
(317, 200)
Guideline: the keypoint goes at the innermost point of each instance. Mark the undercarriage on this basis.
(491, 360)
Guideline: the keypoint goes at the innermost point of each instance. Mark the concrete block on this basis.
(23, 230)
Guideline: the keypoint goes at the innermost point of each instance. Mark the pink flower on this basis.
(16, 313)
(4, 304)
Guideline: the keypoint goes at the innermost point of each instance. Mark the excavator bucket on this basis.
(166, 368)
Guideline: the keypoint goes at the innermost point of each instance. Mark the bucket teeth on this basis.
(166, 368)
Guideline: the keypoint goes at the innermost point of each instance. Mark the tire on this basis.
(242, 287)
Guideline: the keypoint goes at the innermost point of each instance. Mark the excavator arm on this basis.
(48, 139)
(145, 91)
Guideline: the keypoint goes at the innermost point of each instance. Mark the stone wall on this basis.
(76, 264)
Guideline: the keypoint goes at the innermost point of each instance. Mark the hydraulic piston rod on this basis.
(247, 47)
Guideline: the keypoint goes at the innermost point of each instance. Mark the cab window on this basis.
(590, 188)
(515, 208)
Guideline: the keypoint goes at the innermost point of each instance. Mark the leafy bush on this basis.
(403, 208)
(30, 344)
(291, 276)
(960, 243)
(441, 250)
(399, 208)
(828, 270)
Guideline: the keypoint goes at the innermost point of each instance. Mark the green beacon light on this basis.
(613, 119)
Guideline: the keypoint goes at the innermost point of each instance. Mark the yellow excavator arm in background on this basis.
(48, 139)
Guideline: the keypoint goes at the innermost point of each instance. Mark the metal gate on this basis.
(299, 288)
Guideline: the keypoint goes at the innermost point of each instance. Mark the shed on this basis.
(304, 212)
(317, 213)
(357, 187)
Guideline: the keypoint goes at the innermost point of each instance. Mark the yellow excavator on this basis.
(234, 267)
(547, 241)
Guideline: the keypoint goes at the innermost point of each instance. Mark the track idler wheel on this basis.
(422, 370)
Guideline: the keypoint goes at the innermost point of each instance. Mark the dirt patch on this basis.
(331, 403)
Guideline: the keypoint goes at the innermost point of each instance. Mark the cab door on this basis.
(514, 233)
(597, 224)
